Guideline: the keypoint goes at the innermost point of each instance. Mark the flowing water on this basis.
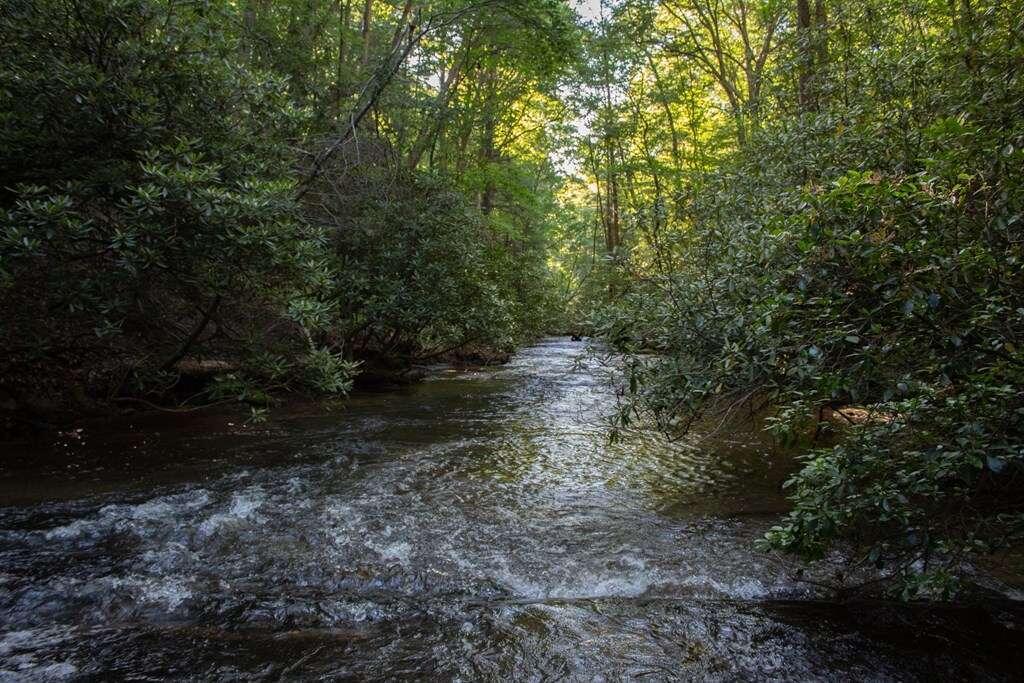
(478, 526)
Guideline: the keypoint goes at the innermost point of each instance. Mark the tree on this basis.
(852, 260)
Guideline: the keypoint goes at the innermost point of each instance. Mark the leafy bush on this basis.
(868, 254)
(151, 211)
(417, 270)
(147, 208)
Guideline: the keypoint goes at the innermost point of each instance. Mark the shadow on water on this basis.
(476, 526)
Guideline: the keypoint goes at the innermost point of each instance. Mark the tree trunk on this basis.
(805, 54)
(488, 153)
(365, 33)
(812, 39)
(344, 16)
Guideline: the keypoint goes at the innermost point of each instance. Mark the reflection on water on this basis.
(478, 526)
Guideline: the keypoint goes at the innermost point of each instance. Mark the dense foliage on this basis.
(850, 263)
(805, 211)
(267, 192)
(418, 272)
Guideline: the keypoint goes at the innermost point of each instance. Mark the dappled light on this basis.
(511, 340)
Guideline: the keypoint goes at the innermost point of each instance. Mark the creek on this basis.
(477, 526)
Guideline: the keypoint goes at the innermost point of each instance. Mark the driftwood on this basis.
(203, 369)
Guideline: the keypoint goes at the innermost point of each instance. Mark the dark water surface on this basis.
(475, 527)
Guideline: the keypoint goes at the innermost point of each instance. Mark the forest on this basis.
(808, 214)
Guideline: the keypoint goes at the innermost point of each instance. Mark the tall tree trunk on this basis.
(429, 132)
(365, 33)
(614, 227)
(602, 211)
(805, 52)
(344, 16)
(812, 38)
(488, 153)
(612, 182)
(965, 22)
(666, 106)
(612, 239)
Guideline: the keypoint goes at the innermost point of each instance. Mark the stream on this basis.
(477, 526)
